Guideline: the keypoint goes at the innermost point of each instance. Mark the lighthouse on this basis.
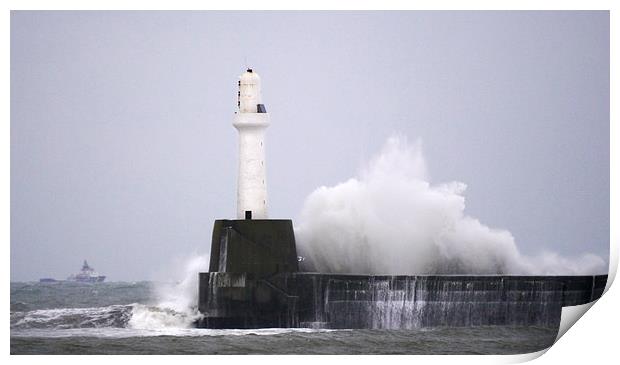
(251, 121)
(251, 243)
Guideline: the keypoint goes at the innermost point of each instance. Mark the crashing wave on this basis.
(137, 316)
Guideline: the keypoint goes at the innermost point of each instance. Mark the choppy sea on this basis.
(136, 318)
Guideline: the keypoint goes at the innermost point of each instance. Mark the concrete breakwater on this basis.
(297, 299)
(255, 282)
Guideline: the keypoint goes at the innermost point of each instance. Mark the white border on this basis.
(594, 338)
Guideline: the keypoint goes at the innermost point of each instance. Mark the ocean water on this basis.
(135, 318)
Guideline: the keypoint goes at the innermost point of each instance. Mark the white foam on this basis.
(110, 332)
(391, 220)
(63, 318)
(175, 304)
(149, 317)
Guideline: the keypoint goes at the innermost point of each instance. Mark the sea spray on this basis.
(176, 302)
(392, 220)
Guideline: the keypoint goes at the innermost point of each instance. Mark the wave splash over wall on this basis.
(392, 220)
(176, 303)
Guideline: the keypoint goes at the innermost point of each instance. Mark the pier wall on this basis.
(249, 300)
(254, 282)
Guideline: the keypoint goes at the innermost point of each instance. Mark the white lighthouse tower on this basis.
(251, 120)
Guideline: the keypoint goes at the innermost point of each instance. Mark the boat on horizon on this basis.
(86, 275)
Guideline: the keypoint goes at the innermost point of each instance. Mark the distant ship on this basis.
(87, 275)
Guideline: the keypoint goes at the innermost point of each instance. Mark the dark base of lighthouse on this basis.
(261, 246)
(254, 283)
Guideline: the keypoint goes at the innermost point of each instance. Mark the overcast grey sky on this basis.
(123, 152)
